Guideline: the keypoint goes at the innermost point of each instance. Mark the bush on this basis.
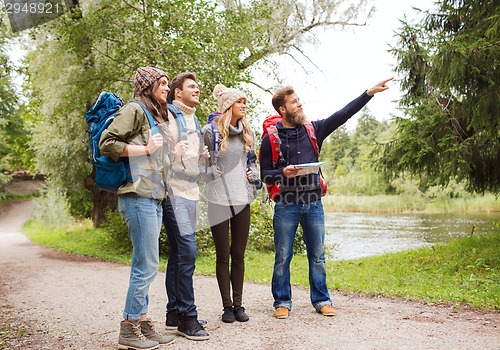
(53, 209)
(117, 229)
(260, 235)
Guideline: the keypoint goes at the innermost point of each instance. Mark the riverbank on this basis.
(488, 203)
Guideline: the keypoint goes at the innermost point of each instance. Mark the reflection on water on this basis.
(356, 235)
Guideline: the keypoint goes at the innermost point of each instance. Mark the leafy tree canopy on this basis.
(13, 134)
(99, 45)
(451, 76)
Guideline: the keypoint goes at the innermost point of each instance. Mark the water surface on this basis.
(356, 235)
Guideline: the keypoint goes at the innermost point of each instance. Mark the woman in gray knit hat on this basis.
(232, 187)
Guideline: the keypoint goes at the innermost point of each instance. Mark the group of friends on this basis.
(166, 191)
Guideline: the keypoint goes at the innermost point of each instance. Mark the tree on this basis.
(13, 152)
(7, 99)
(84, 52)
(451, 76)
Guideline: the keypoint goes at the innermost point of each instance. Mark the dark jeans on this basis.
(180, 223)
(222, 221)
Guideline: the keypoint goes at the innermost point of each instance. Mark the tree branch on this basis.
(284, 43)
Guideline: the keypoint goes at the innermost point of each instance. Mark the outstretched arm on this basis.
(379, 87)
(326, 126)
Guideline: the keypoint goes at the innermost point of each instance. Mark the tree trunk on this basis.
(103, 201)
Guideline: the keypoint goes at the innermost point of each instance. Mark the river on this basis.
(356, 235)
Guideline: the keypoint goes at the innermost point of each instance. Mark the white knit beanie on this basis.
(226, 97)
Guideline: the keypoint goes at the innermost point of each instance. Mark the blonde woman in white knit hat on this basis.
(231, 188)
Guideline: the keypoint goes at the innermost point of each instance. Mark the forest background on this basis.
(445, 145)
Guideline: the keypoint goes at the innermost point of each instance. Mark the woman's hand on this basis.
(154, 142)
(250, 175)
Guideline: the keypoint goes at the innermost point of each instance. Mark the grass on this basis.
(80, 239)
(401, 203)
(466, 271)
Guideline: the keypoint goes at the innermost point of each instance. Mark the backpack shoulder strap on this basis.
(311, 133)
(152, 122)
(179, 117)
(197, 122)
(275, 142)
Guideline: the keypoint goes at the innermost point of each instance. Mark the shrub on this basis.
(53, 209)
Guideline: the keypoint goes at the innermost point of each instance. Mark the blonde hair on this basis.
(223, 121)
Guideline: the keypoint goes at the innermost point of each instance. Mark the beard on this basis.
(296, 117)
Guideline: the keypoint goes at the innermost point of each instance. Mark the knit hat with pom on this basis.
(145, 76)
(226, 97)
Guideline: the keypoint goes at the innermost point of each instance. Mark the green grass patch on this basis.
(401, 203)
(80, 239)
(466, 271)
(373, 204)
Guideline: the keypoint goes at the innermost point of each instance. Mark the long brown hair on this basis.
(158, 110)
(223, 121)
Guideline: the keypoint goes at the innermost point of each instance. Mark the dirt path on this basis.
(76, 303)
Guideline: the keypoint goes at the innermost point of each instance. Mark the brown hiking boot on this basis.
(149, 331)
(281, 312)
(131, 337)
(327, 310)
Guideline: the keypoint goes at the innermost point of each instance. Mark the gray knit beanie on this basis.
(226, 97)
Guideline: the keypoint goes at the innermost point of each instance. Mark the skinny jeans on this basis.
(230, 234)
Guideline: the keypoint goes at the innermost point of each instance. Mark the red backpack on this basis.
(269, 127)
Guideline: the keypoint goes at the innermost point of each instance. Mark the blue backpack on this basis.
(215, 135)
(109, 175)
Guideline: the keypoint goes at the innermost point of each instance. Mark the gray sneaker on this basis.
(131, 337)
(149, 331)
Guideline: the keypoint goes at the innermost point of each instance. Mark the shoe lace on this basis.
(151, 326)
(136, 328)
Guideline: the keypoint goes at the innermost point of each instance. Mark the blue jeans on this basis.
(286, 219)
(180, 224)
(143, 218)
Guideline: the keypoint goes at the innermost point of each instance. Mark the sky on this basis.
(351, 61)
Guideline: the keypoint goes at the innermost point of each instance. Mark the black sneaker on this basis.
(228, 315)
(240, 314)
(172, 320)
(190, 328)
